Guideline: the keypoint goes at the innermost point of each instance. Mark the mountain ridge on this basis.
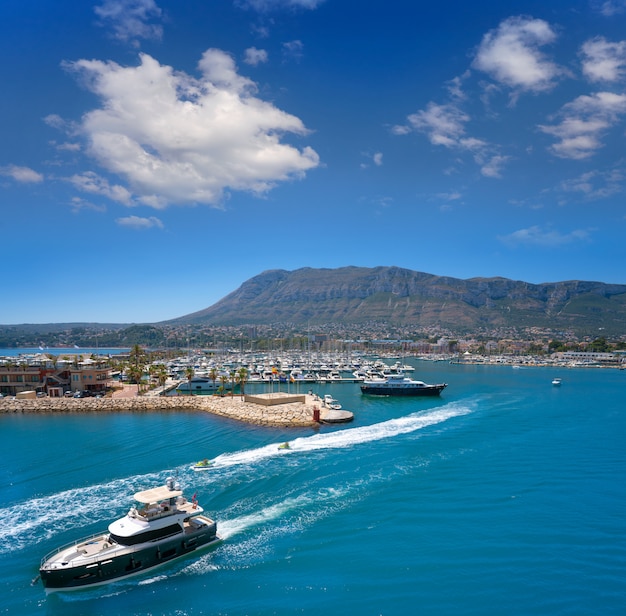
(397, 295)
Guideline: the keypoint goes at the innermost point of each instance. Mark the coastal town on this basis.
(143, 380)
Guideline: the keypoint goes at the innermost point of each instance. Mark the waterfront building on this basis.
(53, 378)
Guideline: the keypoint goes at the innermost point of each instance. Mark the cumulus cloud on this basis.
(603, 60)
(511, 55)
(138, 222)
(94, 184)
(177, 139)
(443, 124)
(254, 56)
(130, 20)
(538, 236)
(24, 175)
(583, 123)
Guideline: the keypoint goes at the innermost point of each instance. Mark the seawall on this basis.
(288, 414)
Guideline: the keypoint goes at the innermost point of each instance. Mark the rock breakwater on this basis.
(285, 415)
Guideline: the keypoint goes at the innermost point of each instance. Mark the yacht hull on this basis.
(70, 570)
(386, 390)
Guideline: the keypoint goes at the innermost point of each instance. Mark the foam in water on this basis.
(23, 521)
(345, 438)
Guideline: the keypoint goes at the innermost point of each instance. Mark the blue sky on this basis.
(156, 154)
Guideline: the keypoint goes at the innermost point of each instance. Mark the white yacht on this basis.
(400, 385)
(202, 384)
(166, 526)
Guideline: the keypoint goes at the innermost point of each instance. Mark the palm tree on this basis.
(161, 375)
(189, 372)
(232, 374)
(136, 354)
(213, 376)
(158, 372)
(242, 377)
(135, 374)
(223, 381)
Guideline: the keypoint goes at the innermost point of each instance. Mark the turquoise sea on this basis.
(505, 496)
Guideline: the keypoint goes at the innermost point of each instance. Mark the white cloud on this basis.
(376, 158)
(79, 204)
(24, 175)
(451, 196)
(292, 50)
(94, 184)
(270, 5)
(180, 140)
(254, 56)
(595, 184)
(443, 124)
(609, 8)
(537, 236)
(510, 55)
(584, 122)
(130, 19)
(137, 222)
(493, 167)
(68, 147)
(602, 60)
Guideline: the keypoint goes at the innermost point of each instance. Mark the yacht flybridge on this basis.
(163, 526)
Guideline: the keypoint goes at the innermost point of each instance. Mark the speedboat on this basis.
(163, 527)
(400, 385)
(556, 381)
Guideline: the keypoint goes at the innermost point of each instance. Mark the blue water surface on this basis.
(504, 496)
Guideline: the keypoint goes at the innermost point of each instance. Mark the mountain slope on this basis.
(395, 295)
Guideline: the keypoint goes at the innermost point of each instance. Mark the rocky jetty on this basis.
(290, 414)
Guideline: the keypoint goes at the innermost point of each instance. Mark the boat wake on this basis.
(345, 438)
(28, 522)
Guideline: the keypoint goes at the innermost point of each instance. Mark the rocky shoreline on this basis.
(295, 414)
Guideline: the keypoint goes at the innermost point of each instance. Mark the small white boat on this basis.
(331, 403)
(556, 381)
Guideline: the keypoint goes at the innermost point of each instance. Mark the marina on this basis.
(509, 487)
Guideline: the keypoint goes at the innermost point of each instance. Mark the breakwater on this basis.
(292, 414)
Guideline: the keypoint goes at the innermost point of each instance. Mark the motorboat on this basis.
(400, 385)
(163, 526)
(556, 381)
(202, 384)
(331, 402)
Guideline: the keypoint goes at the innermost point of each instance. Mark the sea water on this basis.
(506, 495)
